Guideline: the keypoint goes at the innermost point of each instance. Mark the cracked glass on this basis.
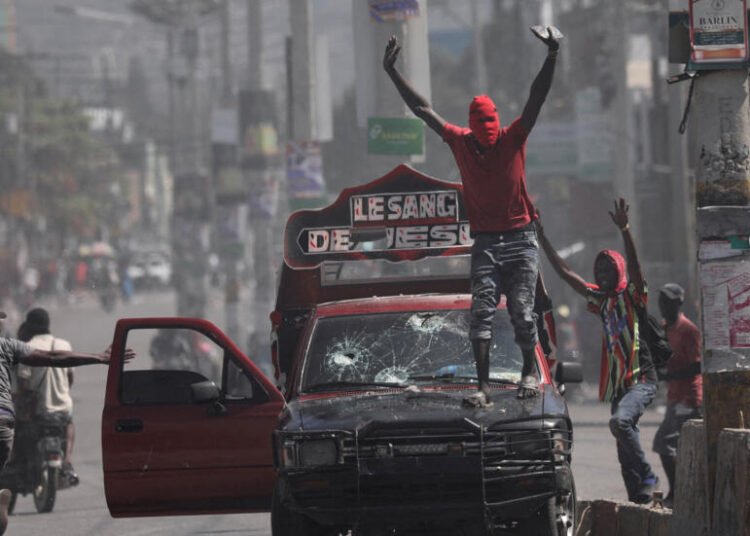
(402, 348)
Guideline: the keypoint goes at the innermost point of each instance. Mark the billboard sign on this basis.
(304, 171)
(392, 10)
(718, 31)
(392, 135)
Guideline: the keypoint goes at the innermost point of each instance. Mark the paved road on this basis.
(83, 510)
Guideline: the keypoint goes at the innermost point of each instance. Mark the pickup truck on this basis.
(362, 429)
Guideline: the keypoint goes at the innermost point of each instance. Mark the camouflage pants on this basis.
(505, 263)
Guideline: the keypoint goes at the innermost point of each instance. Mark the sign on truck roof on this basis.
(404, 215)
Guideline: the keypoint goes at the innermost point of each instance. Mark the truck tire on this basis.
(558, 517)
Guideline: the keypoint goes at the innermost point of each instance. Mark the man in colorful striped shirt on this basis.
(628, 377)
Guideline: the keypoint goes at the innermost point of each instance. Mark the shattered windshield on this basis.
(402, 348)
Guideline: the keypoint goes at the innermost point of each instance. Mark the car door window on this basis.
(171, 360)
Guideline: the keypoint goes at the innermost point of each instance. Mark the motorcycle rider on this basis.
(13, 352)
(43, 393)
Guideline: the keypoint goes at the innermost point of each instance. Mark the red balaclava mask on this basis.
(618, 263)
(483, 120)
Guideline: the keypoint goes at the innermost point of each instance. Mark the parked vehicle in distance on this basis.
(150, 270)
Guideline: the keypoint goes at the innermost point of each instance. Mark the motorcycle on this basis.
(35, 465)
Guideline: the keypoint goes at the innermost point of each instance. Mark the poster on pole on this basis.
(725, 290)
(718, 31)
(304, 174)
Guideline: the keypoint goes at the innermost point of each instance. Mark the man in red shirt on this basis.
(505, 253)
(684, 380)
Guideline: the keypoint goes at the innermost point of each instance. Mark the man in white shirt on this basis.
(45, 391)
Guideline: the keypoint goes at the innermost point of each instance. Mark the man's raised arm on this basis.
(416, 102)
(543, 81)
(620, 218)
(561, 267)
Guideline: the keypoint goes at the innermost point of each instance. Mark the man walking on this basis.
(505, 255)
(13, 352)
(684, 380)
(628, 377)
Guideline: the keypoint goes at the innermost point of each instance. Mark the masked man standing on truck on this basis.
(505, 253)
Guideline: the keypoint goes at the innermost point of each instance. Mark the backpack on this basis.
(656, 339)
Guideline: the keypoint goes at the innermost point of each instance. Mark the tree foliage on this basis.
(68, 169)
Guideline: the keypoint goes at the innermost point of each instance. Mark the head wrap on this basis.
(481, 109)
(618, 263)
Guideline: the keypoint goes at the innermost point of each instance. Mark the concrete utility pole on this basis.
(622, 151)
(254, 44)
(720, 123)
(190, 220)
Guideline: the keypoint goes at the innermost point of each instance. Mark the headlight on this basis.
(531, 445)
(317, 452)
(288, 454)
(561, 444)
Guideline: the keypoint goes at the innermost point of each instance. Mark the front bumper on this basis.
(483, 480)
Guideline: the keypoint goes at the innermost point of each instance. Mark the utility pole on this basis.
(254, 44)
(622, 152)
(719, 122)
(192, 192)
(721, 126)
(480, 65)
(233, 213)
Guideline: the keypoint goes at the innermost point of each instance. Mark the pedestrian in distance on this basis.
(505, 253)
(43, 393)
(14, 352)
(683, 376)
(628, 378)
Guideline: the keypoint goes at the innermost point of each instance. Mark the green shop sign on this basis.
(388, 135)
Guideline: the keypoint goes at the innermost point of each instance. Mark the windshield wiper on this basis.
(339, 384)
(448, 378)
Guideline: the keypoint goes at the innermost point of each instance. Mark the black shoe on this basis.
(69, 474)
(645, 494)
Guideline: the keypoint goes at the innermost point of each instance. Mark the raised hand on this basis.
(620, 215)
(391, 53)
(550, 36)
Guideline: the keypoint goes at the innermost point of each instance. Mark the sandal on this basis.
(478, 400)
(529, 387)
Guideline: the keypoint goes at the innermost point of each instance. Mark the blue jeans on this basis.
(626, 411)
(505, 263)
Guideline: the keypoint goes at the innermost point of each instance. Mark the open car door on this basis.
(186, 426)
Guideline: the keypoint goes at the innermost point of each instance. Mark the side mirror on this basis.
(205, 391)
(568, 372)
